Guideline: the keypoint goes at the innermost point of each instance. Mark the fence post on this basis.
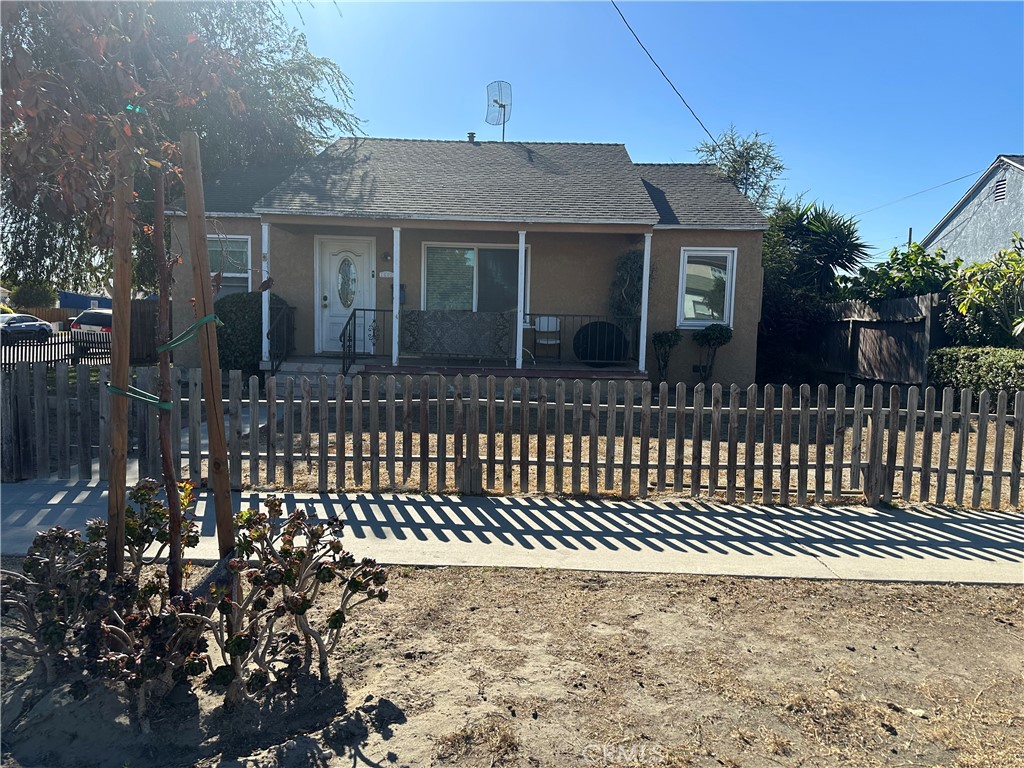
(893, 444)
(507, 415)
(997, 458)
(8, 437)
(235, 429)
(732, 453)
(750, 445)
(820, 429)
(963, 433)
(474, 472)
(875, 475)
(24, 416)
(981, 443)
(697, 444)
(768, 461)
(104, 422)
(803, 451)
(1018, 448)
(84, 423)
(42, 419)
(715, 442)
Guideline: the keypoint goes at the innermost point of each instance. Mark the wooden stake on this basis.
(124, 190)
(208, 353)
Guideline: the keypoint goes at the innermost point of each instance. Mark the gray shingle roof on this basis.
(459, 180)
(238, 189)
(697, 195)
(1016, 159)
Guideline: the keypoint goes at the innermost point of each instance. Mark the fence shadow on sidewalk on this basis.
(584, 525)
(685, 526)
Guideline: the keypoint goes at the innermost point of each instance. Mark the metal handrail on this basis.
(282, 340)
(347, 337)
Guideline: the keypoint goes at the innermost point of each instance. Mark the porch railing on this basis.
(366, 334)
(281, 333)
(599, 341)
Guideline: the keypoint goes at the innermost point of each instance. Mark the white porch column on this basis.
(521, 302)
(265, 297)
(643, 302)
(396, 292)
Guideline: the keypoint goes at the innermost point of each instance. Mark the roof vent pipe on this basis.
(471, 136)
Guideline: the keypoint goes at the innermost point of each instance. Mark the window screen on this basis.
(498, 286)
(449, 278)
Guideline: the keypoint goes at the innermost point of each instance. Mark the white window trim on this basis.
(476, 269)
(248, 255)
(730, 287)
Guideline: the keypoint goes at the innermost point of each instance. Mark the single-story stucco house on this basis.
(414, 255)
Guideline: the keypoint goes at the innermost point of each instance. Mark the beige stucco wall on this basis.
(736, 362)
(569, 273)
(183, 290)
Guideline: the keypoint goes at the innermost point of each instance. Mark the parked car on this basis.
(24, 328)
(90, 331)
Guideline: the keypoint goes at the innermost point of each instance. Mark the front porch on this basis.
(449, 342)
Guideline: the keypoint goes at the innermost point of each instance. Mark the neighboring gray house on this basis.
(983, 220)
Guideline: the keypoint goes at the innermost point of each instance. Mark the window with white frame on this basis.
(479, 278)
(707, 281)
(230, 256)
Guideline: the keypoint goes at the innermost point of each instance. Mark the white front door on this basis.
(346, 275)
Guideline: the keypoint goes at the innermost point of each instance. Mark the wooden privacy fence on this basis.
(473, 435)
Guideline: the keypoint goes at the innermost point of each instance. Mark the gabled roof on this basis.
(698, 196)
(1016, 162)
(466, 181)
(237, 190)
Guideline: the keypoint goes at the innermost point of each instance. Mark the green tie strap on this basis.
(143, 397)
(189, 333)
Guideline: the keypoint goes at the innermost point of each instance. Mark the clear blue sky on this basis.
(866, 102)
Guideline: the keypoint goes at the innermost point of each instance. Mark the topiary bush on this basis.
(664, 342)
(991, 368)
(240, 339)
(709, 339)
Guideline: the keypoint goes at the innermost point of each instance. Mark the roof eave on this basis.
(221, 214)
(927, 239)
(738, 227)
(649, 222)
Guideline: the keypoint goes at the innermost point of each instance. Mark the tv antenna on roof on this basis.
(499, 104)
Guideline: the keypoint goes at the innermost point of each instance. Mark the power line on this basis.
(915, 194)
(667, 79)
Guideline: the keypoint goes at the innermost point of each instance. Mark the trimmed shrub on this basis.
(991, 368)
(239, 340)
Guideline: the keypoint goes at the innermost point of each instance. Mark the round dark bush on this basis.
(239, 340)
(600, 344)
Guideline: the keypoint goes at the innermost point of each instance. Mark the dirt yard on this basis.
(499, 667)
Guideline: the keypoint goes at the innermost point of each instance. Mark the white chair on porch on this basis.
(547, 335)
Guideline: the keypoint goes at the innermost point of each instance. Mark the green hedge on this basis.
(239, 340)
(991, 368)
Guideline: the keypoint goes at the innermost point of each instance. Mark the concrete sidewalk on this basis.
(923, 543)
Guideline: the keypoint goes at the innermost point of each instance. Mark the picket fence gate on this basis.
(472, 435)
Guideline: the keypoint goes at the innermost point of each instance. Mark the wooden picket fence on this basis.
(484, 435)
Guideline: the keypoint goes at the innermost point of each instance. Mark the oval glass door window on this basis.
(347, 282)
